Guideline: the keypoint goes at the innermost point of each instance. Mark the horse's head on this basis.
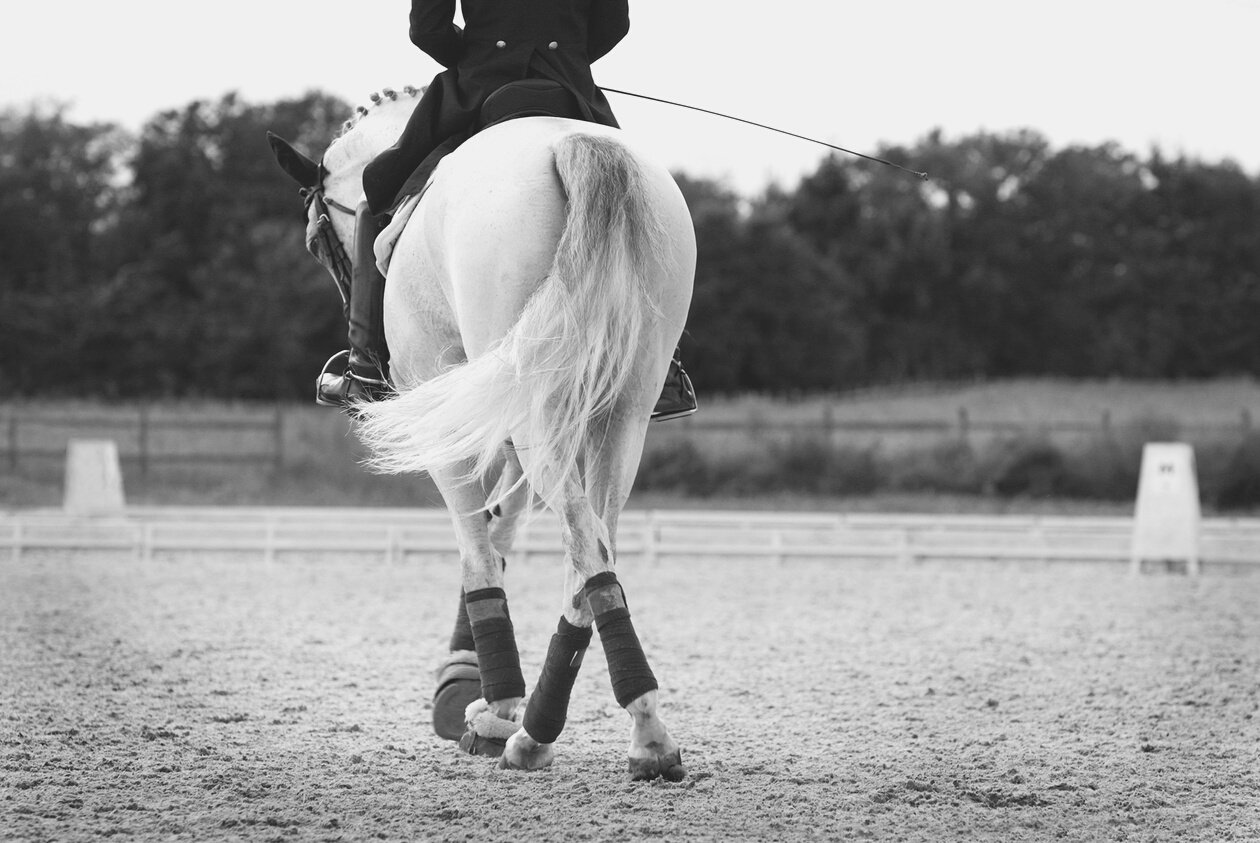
(333, 187)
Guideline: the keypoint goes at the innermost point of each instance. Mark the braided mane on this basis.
(385, 96)
(371, 129)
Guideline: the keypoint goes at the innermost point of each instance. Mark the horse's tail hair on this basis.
(557, 374)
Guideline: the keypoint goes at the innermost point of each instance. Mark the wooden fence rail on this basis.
(961, 424)
(38, 436)
(258, 436)
(151, 533)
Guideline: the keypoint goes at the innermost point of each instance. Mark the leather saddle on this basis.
(530, 98)
(525, 98)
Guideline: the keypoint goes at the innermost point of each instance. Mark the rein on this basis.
(339, 266)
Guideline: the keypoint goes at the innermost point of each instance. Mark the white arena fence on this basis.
(654, 535)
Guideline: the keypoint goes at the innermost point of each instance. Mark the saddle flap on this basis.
(383, 248)
(530, 98)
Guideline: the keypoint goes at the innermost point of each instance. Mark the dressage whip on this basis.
(876, 159)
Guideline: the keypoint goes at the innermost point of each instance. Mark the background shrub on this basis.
(1103, 469)
(1023, 466)
(814, 466)
(677, 467)
(1233, 483)
(951, 465)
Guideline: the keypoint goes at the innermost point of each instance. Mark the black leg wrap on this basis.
(549, 704)
(500, 664)
(627, 666)
(462, 635)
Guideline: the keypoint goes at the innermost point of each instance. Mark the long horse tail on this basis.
(559, 371)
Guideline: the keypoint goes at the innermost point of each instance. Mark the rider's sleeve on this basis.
(610, 21)
(433, 30)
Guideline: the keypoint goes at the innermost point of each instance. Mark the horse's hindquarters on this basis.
(554, 247)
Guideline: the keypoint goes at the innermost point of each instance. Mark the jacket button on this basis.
(553, 46)
(500, 44)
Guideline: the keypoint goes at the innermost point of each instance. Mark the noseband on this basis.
(339, 265)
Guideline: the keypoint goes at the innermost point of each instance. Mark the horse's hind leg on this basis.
(652, 752)
(501, 521)
(484, 622)
(458, 678)
(611, 466)
(593, 596)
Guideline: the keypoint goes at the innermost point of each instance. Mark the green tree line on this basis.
(171, 263)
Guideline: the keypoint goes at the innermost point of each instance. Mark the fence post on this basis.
(278, 446)
(776, 545)
(964, 423)
(904, 554)
(754, 425)
(142, 435)
(393, 546)
(13, 441)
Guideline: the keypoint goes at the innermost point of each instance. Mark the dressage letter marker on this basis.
(1166, 519)
(93, 477)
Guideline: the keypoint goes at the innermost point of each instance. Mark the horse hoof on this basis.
(458, 684)
(668, 767)
(487, 733)
(475, 744)
(517, 755)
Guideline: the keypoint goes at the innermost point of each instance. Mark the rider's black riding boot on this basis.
(362, 373)
(678, 396)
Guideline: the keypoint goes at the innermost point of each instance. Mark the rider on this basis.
(502, 42)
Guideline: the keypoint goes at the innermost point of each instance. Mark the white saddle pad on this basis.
(383, 248)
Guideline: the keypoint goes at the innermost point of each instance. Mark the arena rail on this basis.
(654, 535)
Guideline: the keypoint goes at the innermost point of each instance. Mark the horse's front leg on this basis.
(484, 621)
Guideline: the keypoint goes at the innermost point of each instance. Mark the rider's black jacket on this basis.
(502, 41)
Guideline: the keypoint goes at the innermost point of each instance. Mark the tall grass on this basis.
(1022, 467)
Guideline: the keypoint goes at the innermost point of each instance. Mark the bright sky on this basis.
(1180, 75)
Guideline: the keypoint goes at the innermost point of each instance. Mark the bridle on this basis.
(339, 264)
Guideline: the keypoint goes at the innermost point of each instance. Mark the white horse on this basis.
(532, 304)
